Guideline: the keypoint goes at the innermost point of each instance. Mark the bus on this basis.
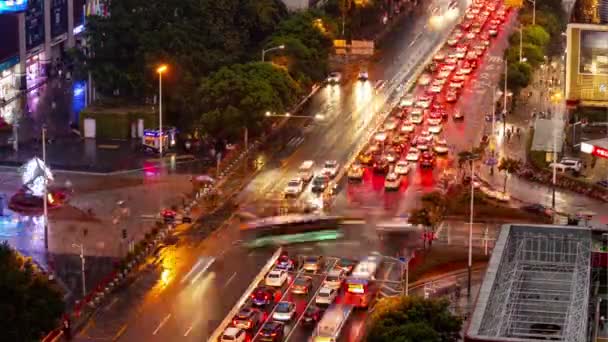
(289, 229)
(330, 326)
(358, 285)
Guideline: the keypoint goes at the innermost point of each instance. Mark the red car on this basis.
(427, 160)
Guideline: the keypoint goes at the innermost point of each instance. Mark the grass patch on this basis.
(441, 259)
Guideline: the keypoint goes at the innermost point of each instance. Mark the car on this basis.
(232, 334)
(302, 285)
(451, 60)
(305, 172)
(474, 10)
(453, 54)
(391, 156)
(284, 311)
(284, 262)
(392, 181)
(425, 136)
(248, 318)
(355, 172)
(262, 295)
(424, 79)
(312, 263)
(402, 167)
(493, 30)
(453, 40)
(407, 127)
(334, 279)
(272, 331)
(458, 115)
(407, 101)
(312, 314)
(424, 102)
(476, 29)
(427, 160)
(451, 96)
(439, 81)
(390, 124)
(459, 77)
(470, 16)
(439, 56)
(346, 265)
(464, 69)
(471, 56)
(380, 137)
(441, 147)
(435, 129)
(435, 89)
(448, 67)
(444, 73)
(276, 278)
(365, 158)
(326, 296)
(471, 35)
(465, 25)
(485, 39)
(456, 84)
(294, 187)
(568, 164)
(479, 50)
(603, 183)
(331, 168)
(381, 166)
(334, 78)
(412, 154)
(435, 117)
(462, 48)
(319, 183)
(363, 76)
(423, 146)
(416, 118)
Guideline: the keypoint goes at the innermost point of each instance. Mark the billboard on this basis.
(8, 6)
(593, 52)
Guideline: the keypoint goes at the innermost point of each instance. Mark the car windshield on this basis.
(330, 164)
(332, 279)
(283, 307)
(294, 183)
(391, 177)
(311, 310)
(311, 260)
(244, 313)
(300, 281)
(274, 275)
(319, 180)
(228, 338)
(324, 294)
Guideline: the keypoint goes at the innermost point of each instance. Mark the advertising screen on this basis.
(593, 52)
(7, 6)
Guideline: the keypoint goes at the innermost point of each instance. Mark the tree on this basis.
(508, 166)
(533, 34)
(413, 319)
(31, 306)
(237, 96)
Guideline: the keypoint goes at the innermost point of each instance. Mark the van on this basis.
(305, 172)
(568, 164)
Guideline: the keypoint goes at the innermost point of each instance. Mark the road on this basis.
(157, 305)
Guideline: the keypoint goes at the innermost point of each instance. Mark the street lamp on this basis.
(521, 40)
(533, 11)
(470, 158)
(81, 246)
(160, 70)
(279, 47)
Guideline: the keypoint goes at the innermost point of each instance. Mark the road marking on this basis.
(229, 280)
(189, 330)
(160, 325)
(120, 332)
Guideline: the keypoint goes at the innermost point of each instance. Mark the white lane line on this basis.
(230, 279)
(189, 330)
(160, 325)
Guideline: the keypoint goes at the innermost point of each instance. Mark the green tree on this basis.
(531, 34)
(237, 96)
(508, 166)
(31, 305)
(413, 319)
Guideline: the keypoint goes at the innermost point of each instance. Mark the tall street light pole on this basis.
(45, 205)
(470, 263)
(264, 51)
(521, 43)
(84, 287)
(160, 70)
(504, 118)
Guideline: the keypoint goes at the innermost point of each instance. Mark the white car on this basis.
(425, 136)
(392, 181)
(493, 31)
(451, 60)
(441, 147)
(334, 279)
(355, 172)
(436, 89)
(423, 102)
(567, 164)
(439, 81)
(390, 124)
(326, 296)
(232, 334)
(448, 67)
(408, 127)
(470, 35)
(440, 56)
(416, 118)
(453, 41)
(402, 167)
(458, 115)
(435, 129)
(444, 74)
(334, 78)
(407, 101)
(284, 311)
(456, 84)
(412, 154)
(380, 137)
(424, 79)
(294, 187)
(276, 278)
(459, 77)
(330, 168)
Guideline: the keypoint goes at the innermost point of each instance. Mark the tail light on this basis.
(266, 297)
(234, 322)
(253, 296)
(273, 334)
(248, 324)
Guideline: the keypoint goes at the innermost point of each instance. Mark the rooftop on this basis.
(536, 286)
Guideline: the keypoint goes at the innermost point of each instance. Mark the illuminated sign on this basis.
(594, 150)
(7, 6)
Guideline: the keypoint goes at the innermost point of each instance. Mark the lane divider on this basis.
(235, 309)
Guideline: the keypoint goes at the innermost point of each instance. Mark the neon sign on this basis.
(7, 6)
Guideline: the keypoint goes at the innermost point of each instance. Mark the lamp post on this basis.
(471, 158)
(504, 109)
(160, 70)
(45, 205)
(521, 41)
(533, 11)
(264, 51)
(81, 246)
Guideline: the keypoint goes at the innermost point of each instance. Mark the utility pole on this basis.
(82, 261)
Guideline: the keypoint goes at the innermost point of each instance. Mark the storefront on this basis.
(35, 69)
(8, 89)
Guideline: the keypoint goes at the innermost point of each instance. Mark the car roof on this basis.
(272, 325)
(231, 331)
(325, 289)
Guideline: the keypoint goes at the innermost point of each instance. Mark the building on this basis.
(33, 39)
(543, 282)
